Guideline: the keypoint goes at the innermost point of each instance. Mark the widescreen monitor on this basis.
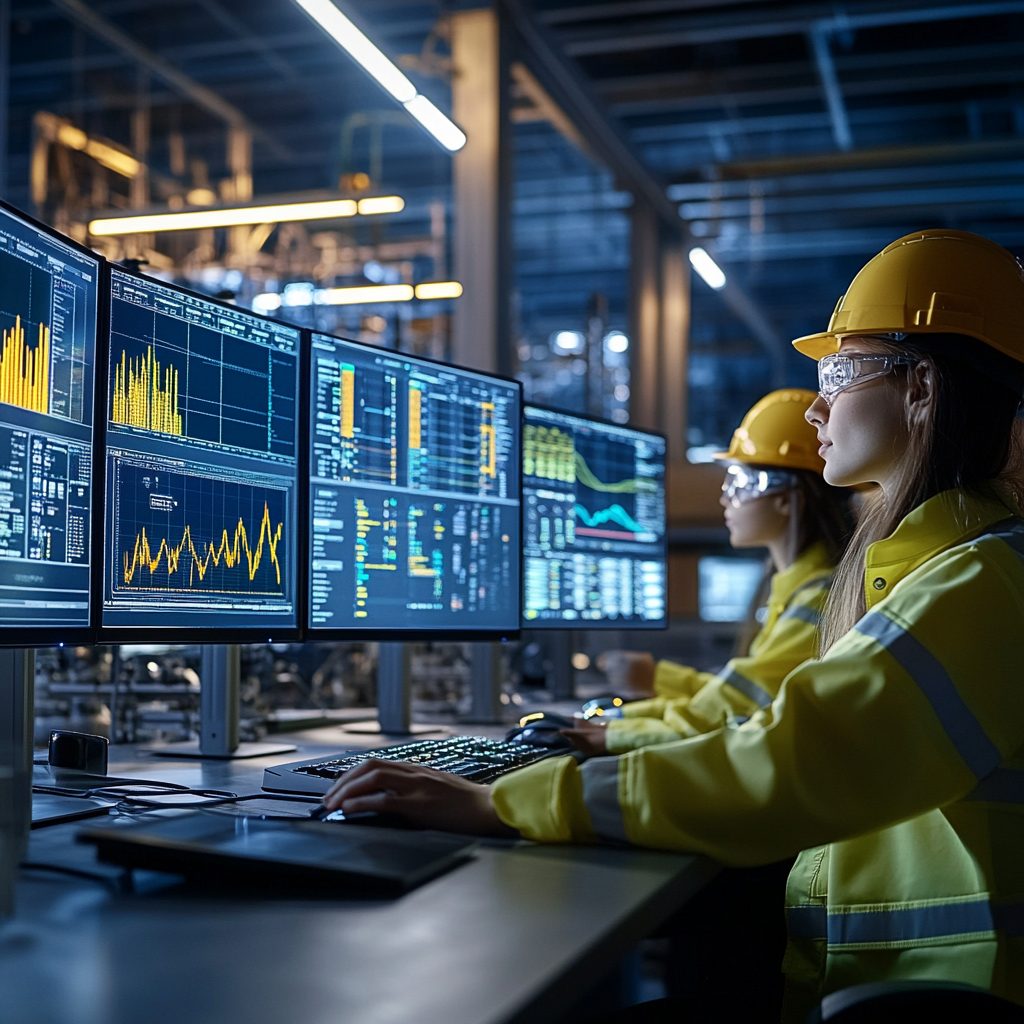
(48, 302)
(414, 500)
(202, 457)
(593, 523)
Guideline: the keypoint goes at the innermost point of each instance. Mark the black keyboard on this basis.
(473, 757)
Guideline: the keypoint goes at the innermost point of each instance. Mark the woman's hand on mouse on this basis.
(589, 737)
(423, 796)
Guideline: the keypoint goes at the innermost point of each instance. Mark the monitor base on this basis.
(242, 752)
(373, 728)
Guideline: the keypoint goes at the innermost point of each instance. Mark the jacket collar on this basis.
(943, 521)
(812, 563)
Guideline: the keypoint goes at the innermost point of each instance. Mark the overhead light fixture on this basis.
(191, 220)
(304, 294)
(384, 71)
(365, 294)
(708, 269)
(439, 290)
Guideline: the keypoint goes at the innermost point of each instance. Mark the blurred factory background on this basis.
(652, 198)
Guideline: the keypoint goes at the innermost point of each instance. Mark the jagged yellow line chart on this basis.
(188, 533)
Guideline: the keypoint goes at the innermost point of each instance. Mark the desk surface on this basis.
(516, 935)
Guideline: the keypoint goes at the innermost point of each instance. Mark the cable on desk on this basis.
(60, 869)
(139, 805)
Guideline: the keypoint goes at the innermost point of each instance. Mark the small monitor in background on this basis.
(48, 301)
(593, 524)
(727, 586)
(413, 496)
(202, 468)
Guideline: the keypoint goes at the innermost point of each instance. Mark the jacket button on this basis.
(878, 583)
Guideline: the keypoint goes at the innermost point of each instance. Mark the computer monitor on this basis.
(48, 300)
(202, 458)
(414, 500)
(593, 523)
(726, 586)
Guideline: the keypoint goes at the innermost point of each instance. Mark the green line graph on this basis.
(585, 475)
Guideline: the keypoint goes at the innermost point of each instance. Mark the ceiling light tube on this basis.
(361, 295)
(438, 290)
(708, 269)
(384, 71)
(191, 220)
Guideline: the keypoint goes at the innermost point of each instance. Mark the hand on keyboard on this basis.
(423, 796)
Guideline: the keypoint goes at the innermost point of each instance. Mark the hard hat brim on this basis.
(817, 346)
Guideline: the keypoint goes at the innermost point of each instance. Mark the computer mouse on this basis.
(603, 707)
(542, 729)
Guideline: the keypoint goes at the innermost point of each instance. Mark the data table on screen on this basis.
(414, 493)
(594, 523)
(48, 303)
(202, 464)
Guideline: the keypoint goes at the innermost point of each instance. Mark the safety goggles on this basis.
(838, 372)
(743, 483)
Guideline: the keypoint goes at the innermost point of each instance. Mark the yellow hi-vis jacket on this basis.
(896, 763)
(691, 702)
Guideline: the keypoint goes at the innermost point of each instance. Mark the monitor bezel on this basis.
(191, 634)
(603, 625)
(406, 635)
(63, 636)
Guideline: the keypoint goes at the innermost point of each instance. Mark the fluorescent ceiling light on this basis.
(191, 220)
(369, 293)
(439, 290)
(708, 269)
(384, 71)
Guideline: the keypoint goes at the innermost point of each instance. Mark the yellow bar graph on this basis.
(24, 372)
(139, 400)
(348, 400)
(488, 446)
(415, 411)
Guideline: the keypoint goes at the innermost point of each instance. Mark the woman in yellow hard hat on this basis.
(774, 496)
(894, 763)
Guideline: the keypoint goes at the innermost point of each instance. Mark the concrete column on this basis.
(644, 334)
(482, 261)
(674, 338)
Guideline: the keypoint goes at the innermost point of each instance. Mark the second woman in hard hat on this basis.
(774, 496)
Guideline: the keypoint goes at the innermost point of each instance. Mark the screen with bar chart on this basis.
(593, 523)
(413, 494)
(48, 299)
(201, 528)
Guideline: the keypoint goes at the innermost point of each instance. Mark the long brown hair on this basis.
(965, 439)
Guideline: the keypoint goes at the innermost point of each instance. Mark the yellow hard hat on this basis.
(932, 282)
(775, 433)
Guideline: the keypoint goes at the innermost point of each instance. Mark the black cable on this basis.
(139, 805)
(60, 869)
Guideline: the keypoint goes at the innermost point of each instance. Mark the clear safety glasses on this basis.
(743, 483)
(838, 372)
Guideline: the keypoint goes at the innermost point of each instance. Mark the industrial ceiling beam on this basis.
(203, 97)
(627, 9)
(574, 96)
(619, 39)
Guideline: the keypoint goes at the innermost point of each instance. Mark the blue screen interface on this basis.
(48, 294)
(414, 493)
(593, 523)
(202, 464)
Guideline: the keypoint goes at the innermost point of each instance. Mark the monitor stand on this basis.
(394, 695)
(562, 680)
(220, 699)
(485, 678)
(17, 683)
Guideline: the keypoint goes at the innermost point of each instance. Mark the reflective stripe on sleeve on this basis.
(801, 611)
(601, 795)
(762, 698)
(1003, 786)
(907, 924)
(966, 733)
